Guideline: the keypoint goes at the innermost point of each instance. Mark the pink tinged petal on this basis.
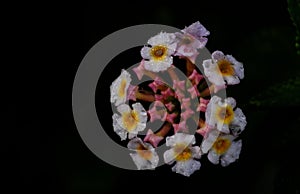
(168, 92)
(213, 157)
(187, 114)
(158, 104)
(239, 122)
(131, 92)
(170, 106)
(195, 77)
(179, 85)
(204, 131)
(185, 103)
(197, 30)
(232, 153)
(194, 92)
(182, 127)
(152, 138)
(159, 97)
(154, 115)
(218, 55)
(179, 95)
(202, 105)
(186, 168)
(155, 84)
(238, 66)
(170, 117)
(139, 70)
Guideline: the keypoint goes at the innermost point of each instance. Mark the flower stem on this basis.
(164, 130)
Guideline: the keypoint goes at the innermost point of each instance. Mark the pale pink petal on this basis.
(152, 138)
(187, 114)
(185, 103)
(194, 92)
(170, 106)
(170, 117)
(139, 70)
(195, 77)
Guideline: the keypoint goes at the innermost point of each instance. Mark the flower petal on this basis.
(145, 52)
(239, 122)
(186, 168)
(232, 154)
(213, 157)
(118, 129)
(212, 72)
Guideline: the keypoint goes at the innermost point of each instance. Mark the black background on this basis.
(47, 154)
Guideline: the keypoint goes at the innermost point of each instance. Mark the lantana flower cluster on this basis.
(188, 107)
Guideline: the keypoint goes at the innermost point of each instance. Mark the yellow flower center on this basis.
(225, 114)
(221, 145)
(130, 120)
(225, 67)
(159, 52)
(144, 152)
(182, 152)
(122, 88)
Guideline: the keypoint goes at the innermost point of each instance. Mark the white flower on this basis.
(225, 149)
(183, 153)
(158, 57)
(130, 121)
(221, 68)
(145, 156)
(119, 87)
(222, 116)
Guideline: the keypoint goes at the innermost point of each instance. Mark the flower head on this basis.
(183, 153)
(224, 149)
(145, 156)
(221, 68)
(158, 57)
(130, 121)
(119, 87)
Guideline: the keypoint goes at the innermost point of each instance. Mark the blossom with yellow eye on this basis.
(145, 156)
(222, 116)
(223, 68)
(130, 121)
(225, 150)
(119, 87)
(183, 153)
(158, 56)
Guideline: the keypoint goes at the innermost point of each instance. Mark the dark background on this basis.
(48, 155)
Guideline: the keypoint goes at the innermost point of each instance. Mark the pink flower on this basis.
(170, 106)
(194, 92)
(179, 85)
(204, 130)
(170, 117)
(155, 84)
(131, 92)
(139, 70)
(168, 92)
(195, 77)
(155, 115)
(186, 114)
(202, 105)
(185, 103)
(152, 138)
(179, 95)
(180, 127)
